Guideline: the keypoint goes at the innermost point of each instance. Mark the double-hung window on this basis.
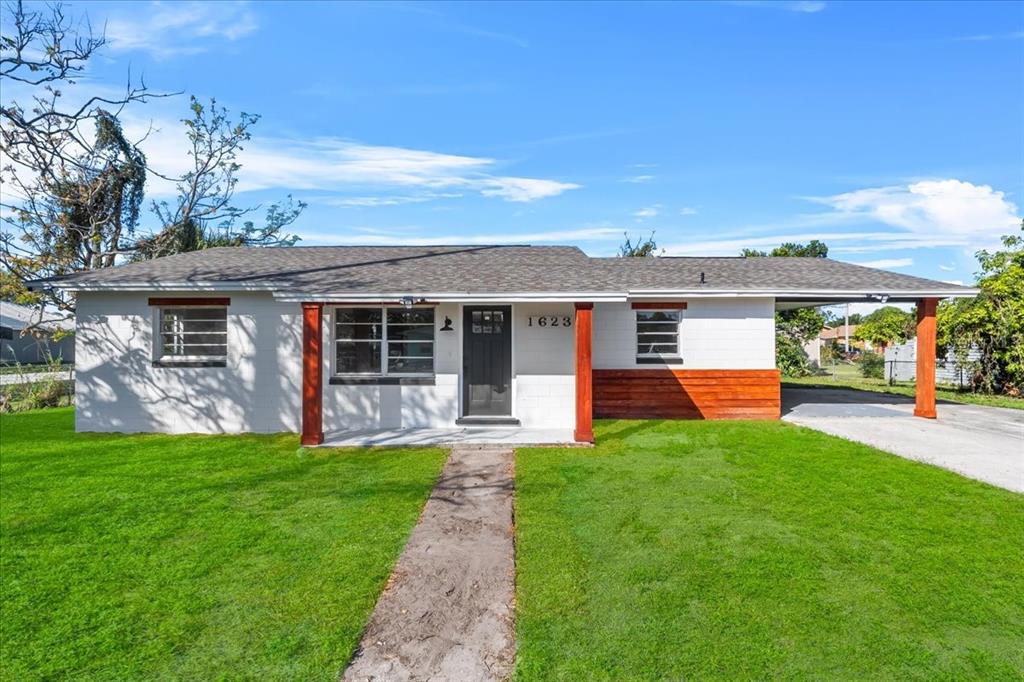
(384, 341)
(193, 335)
(657, 336)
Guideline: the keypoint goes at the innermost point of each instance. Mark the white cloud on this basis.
(985, 37)
(402, 236)
(638, 179)
(180, 28)
(647, 212)
(521, 189)
(943, 207)
(370, 172)
(374, 202)
(687, 210)
(798, 6)
(947, 268)
(837, 243)
(884, 263)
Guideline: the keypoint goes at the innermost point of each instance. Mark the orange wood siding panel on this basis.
(687, 394)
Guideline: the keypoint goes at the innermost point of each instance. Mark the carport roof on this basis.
(343, 272)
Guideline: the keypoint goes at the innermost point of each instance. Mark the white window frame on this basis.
(163, 357)
(657, 358)
(383, 372)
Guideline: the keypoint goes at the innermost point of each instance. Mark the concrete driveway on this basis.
(983, 443)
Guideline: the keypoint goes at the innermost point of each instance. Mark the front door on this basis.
(487, 361)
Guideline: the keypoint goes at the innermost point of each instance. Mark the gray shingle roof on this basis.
(341, 270)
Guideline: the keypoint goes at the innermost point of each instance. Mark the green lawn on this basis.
(848, 376)
(746, 550)
(193, 557)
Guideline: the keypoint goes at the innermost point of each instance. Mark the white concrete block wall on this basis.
(544, 365)
(259, 390)
(376, 407)
(118, 389)
(726, 333)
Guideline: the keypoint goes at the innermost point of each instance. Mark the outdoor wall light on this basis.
(447, 324)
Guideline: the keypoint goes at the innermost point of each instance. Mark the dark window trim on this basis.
(654, 305)
(666, 360)
(190, 363)
(382, 381)
(185, 300)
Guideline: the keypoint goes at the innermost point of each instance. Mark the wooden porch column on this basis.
(584, 432)
(924, 395)
(312, 374)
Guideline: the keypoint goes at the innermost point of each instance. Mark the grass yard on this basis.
(848, 376)
(193, 557)
(743, 550)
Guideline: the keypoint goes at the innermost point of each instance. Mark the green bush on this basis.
(790, 357)
(872, 366)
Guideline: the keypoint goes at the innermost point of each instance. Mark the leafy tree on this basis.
(812, 249)
(70, 201)
(992, 322)
(794, 328)
(643, 248)
(204, 215)
(885, 326)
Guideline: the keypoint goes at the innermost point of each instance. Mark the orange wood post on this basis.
(584, 432)
(925, 394)
(312, 374)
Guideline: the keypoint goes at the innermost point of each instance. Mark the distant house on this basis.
(839, 335)
(36, 346)
(339, 339)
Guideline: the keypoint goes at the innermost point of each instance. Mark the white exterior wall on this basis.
(724, 333)
(390, 407)
(118, 389)
(544, 365)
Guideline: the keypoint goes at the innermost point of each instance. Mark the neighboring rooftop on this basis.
(478, 270)
(18, 317)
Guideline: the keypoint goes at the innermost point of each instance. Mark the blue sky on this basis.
(894, 132)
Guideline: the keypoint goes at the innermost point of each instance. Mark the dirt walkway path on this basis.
(447, 611)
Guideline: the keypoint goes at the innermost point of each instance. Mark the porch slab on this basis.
(470, 435)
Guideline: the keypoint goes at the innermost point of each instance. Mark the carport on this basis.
(927, 304)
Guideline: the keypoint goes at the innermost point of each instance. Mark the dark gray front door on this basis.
(487, 361)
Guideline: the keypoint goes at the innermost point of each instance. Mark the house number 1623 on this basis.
(549, 321)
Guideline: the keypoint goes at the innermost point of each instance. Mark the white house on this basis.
(335, 339)
(37, 345)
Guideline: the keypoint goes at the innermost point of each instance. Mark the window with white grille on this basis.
(384, 341)
(193, 333)
(657, 336)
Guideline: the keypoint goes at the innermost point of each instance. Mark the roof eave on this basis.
(72, 285)
(837, 294)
